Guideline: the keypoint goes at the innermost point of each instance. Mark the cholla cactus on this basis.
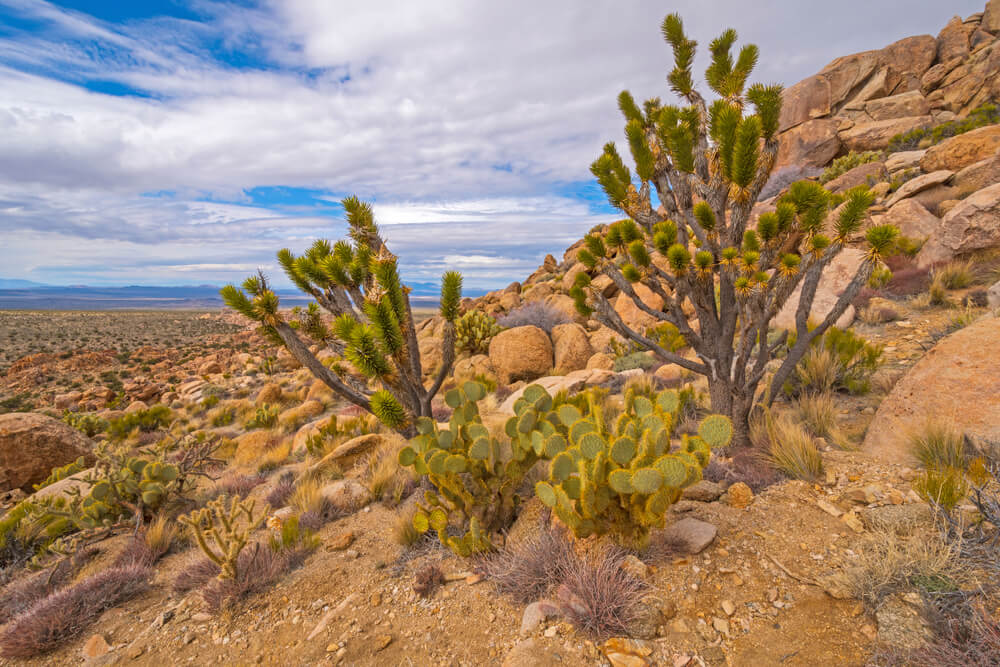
(708, 164)
(228, 522)
(475, 479)
(358, 283)
(474, 331)
(619, 478)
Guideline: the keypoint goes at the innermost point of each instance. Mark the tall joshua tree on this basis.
(357, 282)
(708, 164)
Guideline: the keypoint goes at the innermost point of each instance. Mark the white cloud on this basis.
(465, 121)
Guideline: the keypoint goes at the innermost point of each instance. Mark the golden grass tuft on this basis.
(818, 369)
(252, 446)
(819, 413)
(791, 448)
(161, 533)
(308, 496)
(275, 458)
(384, 478)
(403, 532)
(938, 443)
(957, 274)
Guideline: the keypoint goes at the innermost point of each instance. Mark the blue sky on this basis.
(185, 141)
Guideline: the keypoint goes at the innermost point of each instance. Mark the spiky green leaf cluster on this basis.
(474, 331)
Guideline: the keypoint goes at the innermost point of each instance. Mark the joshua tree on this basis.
(708, 164)
(358, 283)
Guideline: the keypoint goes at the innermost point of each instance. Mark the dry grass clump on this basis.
(282, 491)
(238, 484)
(308, 497)
(878, 315)
(942, 488)
(791, 448)
(69, 612)
(293, 418)
(22, 593)
(403, 532)
(957, 274)
(938, 444)
(257, 569)
(819, 369)
(427, 579)
(889, 563)
(274, 458)
(197, 572)
(598, 596)
(526, 570)
(251, 446)
(819, 413)
(384, 478)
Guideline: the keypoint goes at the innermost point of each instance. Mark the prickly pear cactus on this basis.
(474, 331)
(474, 476)
(619, 478)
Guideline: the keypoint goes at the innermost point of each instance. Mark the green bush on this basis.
(845, 163)
(635, 360)
(148, 420)
(982, 116)
(839, 360)
(266, 416)
(88, 424)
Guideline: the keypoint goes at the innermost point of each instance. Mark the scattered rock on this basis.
(635, 567)
(973, 224)
(535, 652)
(739, 495)
(911, 218)
(962, 150)
(704, 491)
(694, 535)
(341, 541)
(348, 453)
(95, 647)
(876, 134)
(918, 184)
(626, 652)
(900, 622)
(537, 613)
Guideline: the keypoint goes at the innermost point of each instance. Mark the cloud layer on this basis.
(186, 148)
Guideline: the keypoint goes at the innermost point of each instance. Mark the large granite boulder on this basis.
(521, 353)
(962, 150)
(973, 224)
(32, 444)
(959, 378)
(837, 275)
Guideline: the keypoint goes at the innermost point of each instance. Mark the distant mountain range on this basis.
(18, 294)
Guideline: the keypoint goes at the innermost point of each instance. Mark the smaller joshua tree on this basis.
(357, 282)
(721, 280)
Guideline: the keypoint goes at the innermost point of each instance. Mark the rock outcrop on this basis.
(32, 444)
(521, 353)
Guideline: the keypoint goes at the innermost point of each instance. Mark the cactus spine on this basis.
(475, 480)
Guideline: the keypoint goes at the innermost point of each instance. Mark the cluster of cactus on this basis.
(473, 475)
(227, 522)
(474, 331)
(121, 484)
(335, 431)
(621, 478)
(266, 416)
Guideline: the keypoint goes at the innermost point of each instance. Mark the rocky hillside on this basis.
(177, 491)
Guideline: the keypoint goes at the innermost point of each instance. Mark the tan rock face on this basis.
(991, 17)
(978, 175)
(835, 278)
(571, 347)
(919, 184)
(958, 379)
(953, 40)
(808, 99)
(631, 314)
(974, 224)
(876, 134)
(962, 150)
(813, 143)
(911, 218)
(863, 174)
(846, 73)
(601, 361)
(31, 445)
(470, 367)
(521, 353)
(904, 105)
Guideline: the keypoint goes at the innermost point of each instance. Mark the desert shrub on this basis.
(308, 497)
(938, 443)
(840, 360)
(146, 421)
(943, 487)
(748, 466)
(474, 331)
(283, 488)
(88, 424)
(792, 450)
(258, 568)
(275, 457)
(69, 612)
(266, 416)
(384, 477)
(238, 484)
(888, 563)
(987, 114)
(955, 275)
(427, 579)
(845, 163)
(336, 431)
(223, 417)
(197, 572)
(964, 636)
(878, 315)
(536, 313)
(293, 538)
(601, 598)
(404, 533)
(210, 401)
(880, 277)
(819, 413)
(635, 360)
(20, 594)
(527, 570)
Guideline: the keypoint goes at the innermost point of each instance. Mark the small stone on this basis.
(382, 641)
(201, 617)
(704, 491)
(693, 534)
(739, 495)
(635, 567)
(852, 520)
(95, 647)
(552, 632)
(341, 542)
(829, 508)
(720, 625)
(536, 613)
(682, 660)
(376, 599)
(330, 648)
(728, 607)
(134, 652)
